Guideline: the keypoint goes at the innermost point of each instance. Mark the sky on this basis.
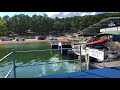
(50, 14)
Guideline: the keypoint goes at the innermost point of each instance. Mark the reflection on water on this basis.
(70, 67)
(55, 66)
(35, 58)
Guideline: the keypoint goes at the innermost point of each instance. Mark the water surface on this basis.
(30, 61)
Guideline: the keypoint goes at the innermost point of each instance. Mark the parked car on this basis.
(53, 38)
(19, 39)
(40, 37)
(6, 39)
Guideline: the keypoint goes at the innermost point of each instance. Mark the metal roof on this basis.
(102, 24)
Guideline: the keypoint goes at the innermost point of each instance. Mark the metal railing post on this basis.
(104, 58)
(80, 59)
(87, 58)
(88, 61)
(14, 67)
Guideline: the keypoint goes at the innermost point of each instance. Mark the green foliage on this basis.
(39, 25)
(2, 26)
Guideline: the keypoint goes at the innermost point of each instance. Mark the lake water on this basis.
(30, 61)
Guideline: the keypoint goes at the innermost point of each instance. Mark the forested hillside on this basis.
(43, 25)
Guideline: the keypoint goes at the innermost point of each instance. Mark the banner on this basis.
(96, 54)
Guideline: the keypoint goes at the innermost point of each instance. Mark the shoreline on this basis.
(26, 41)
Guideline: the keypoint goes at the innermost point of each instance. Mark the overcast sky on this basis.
(50, 14)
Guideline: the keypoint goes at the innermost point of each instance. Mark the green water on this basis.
(32, 58)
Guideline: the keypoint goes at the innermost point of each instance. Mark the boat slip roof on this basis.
(95, 28)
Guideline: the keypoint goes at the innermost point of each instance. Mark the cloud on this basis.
(69, 14)
(37, 13)
(51, 14)
(93, 13)
(66, 13)
(83, 14)
(60, 14)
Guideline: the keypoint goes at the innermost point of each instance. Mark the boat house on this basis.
(108, 28)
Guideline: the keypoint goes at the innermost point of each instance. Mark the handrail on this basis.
(45, 50)
(14, 66)
(9, 72)
(11, 68)
(48, 63)
(5, 56)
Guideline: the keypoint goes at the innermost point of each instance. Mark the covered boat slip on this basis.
(111, 72)
(95, 29)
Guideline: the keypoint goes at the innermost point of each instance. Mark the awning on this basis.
(97, 42)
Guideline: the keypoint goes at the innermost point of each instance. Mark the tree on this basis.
(2, 26)
(35, 23)
(20, 24)
(58, 26)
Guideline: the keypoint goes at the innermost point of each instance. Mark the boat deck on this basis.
(109, 72)
(111, 63)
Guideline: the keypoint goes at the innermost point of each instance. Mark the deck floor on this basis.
(109, 72)
(112, 63)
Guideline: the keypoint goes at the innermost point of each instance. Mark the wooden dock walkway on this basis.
(112, 63)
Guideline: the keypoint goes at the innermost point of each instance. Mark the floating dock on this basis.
(54, 45)
(61, 45)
